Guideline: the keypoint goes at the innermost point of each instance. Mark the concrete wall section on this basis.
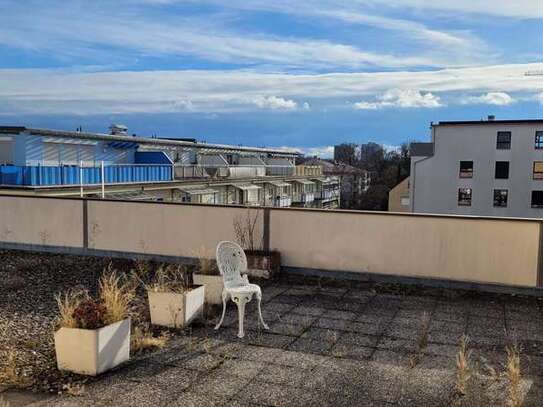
(170, 230)
(461, 249)
(43, 221)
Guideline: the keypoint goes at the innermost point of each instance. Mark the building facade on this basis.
(490, 167)
(398, 197)
(353, 181)
(119, 166)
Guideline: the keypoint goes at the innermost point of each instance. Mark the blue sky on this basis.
(277, 73)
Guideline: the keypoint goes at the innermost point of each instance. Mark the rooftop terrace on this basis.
(330, 343)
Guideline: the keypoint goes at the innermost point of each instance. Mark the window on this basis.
(502, 169)
(537, 199)
(538, 170)
(503, 141)
(500, 198)
(466, 169)
(464, 196)
(538, 140)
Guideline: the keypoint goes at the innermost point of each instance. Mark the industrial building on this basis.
(120, 166)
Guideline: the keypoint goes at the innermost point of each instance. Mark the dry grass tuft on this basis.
(463, 365)
(206, 261)
(143, 339)
(116, 294)
(67, 304)
(514, 375)
(170, 278)
(4, 402)
(422, 340)
(10, 373)
(74, 389)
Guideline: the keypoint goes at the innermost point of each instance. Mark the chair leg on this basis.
(240, 302)
(224, 295)
(258, 300)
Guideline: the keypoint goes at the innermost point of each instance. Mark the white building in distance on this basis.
(485, 168)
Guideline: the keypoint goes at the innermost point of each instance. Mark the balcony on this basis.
(73, 175)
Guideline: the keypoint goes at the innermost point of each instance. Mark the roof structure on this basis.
(487, 122)
(147, 140)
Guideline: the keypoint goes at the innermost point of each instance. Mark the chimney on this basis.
(491, 117)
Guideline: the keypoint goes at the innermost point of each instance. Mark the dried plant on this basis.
(170, 278)
(116, 295)
(206, 263)
(514, 376)
(10, 373)
(463, 365)
(67, 304)
(142, 339)
(245, 231)
(4, 402)
(74, 389)
(422, 340)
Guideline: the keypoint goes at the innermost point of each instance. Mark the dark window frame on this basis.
(465, 197)
(465, 172)
(540, 199)
(503, 144)
(501, 173)
(537, 175)
(500, 202)
(538, 142)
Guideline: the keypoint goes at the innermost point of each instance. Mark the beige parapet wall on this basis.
(453, 248)
(38, 221)
(482, 250)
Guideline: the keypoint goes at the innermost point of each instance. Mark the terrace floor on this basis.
(337, 346)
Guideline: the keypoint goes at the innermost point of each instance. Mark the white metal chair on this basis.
(232, 262)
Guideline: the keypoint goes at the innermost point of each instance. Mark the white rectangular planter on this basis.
(176, 310)
(214, 286)
(93, 351)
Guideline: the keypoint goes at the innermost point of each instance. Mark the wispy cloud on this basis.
(401, 98)
(60, 91)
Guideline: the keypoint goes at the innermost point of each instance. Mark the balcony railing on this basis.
(75, 175)
(306, 197)
(231, 171)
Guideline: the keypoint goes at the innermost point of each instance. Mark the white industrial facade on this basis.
(488, 168)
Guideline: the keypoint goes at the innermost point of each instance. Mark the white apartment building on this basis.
(489, 167)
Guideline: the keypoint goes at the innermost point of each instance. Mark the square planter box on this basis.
(213, 284)
(263, 264)
(176, 310)
(93, 351)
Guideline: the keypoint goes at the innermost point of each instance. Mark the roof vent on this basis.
(491, 117)
(118, 129)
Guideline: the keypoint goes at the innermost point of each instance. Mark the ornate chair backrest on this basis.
(232, 262)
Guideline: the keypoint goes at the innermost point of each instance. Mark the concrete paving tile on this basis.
(322, 334)
(282, 375)
(194, 399)
(367, 329)
(311, 346)
(304, 310)
(246, 369)
(388, 357)
(396, 344)
(448, 351)
(359, 339)
(277, 395)
(287, 329)
(336, 314)
(334, 324)
(300, 320)
(351, 351)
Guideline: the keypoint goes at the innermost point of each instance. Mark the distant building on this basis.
(354, 181)
(118, 166)
(347, 153)
(398, 197)
(489, 167)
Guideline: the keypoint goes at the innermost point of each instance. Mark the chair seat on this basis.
(246, 288)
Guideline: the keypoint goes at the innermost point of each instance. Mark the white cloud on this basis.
(275, 103)
(490, 98)
(322, 152)
(401, 98)
(69, 92)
